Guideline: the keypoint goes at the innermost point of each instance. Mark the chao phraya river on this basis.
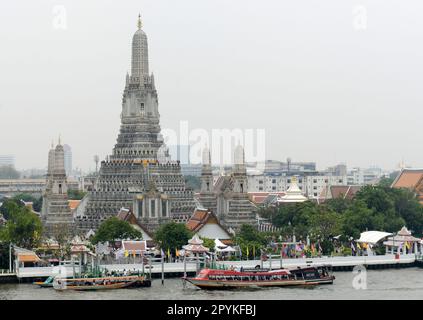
(381, 284)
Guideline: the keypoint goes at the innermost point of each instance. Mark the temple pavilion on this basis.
(403, 243)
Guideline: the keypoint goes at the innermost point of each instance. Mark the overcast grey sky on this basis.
(325, 88)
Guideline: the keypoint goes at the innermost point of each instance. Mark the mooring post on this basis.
(143, 269)
(270, 261)
(261, 258)
(149, 264)
(162, 258)
(10, 257)
(185, 266)
(281, 258)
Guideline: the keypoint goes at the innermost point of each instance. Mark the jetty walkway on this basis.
(337, 263)
(176, 269)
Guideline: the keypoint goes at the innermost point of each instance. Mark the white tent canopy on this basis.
(219, 246)
(372, 237)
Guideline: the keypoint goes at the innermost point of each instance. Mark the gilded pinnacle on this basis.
(139, 21)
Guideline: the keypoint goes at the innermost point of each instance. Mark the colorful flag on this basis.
(162, 252)
(358, 246)
(168, 252)
(126, 253)
(177, 252)
(248, 253)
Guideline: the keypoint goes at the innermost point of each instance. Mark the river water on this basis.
(381, 284)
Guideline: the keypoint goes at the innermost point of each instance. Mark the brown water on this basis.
(381, 284)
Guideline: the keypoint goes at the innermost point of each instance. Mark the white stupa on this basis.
(293, 194)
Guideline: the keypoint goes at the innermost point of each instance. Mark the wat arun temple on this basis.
(138, 174)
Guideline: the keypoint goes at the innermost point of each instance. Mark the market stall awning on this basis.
(373, 237)
(221, 247)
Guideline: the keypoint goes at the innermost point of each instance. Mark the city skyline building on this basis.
(7, 160)
(68, 159)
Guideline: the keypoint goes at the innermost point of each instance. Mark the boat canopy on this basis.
(373, 237)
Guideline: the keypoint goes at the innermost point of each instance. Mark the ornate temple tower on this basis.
(138, 175)
(238, 209)
(228, 198)
(207, 196)
(55, 214)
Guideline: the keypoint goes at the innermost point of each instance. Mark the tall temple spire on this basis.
(139, 54)
(137, 154)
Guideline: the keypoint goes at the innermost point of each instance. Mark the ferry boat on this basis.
(101, 283)
(231, 279)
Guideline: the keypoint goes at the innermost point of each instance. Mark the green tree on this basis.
(386, 182)
(325, 223)
(250, 239)
(4, 255)
(114, 229)
(357, 219)
(376, 198)
(408, 207)
(9, 206)
(23, 227)
(209, 243)
(36, 201)
(172, 236)
(390, 207)
(339, 204)
(76, 194)
(294, 218)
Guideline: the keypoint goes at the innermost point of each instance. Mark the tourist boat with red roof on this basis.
(250, 278)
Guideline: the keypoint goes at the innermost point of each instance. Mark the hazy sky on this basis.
(330, 81)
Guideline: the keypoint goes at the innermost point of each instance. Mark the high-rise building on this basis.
(137, 175)
(7, 160)
(68, 159)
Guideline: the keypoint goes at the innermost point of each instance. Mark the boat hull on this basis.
(98, 287)
(219, 284)
(102, 284)
(44, 285)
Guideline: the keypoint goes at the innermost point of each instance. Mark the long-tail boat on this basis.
(101, 283)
